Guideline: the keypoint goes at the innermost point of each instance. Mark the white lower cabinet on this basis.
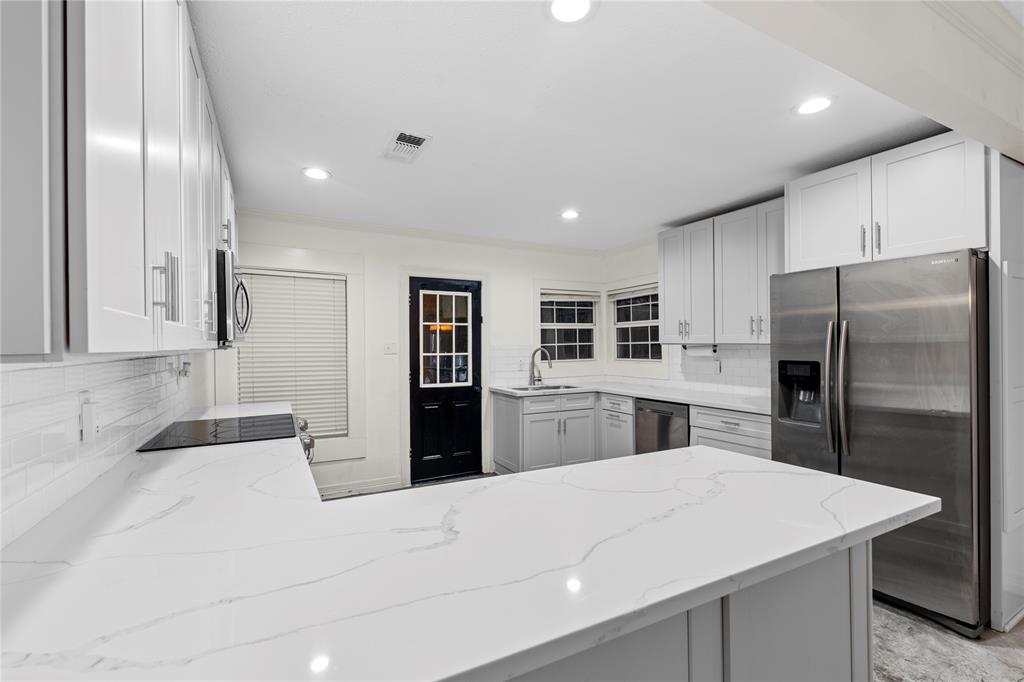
(541, 441)
(579, 436)
(742, 432)
(616, 435)
(539, 432)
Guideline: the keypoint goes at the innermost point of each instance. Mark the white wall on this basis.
(379, 262)
(43, 461)
(1007, 391)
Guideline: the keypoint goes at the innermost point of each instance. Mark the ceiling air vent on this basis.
(406, 146)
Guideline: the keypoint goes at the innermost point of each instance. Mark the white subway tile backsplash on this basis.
(42, 459)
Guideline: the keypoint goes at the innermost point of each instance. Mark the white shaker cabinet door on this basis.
(616, 435)
(829, 216)
(736, 276)
(671, 285)
(110, 303)
(699, 277)
(163, 177)
(771, 260)
(541, 440)
(197, 254)
(579, 436)
(928, 197)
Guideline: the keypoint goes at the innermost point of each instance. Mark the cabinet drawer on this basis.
(743, 423)
(617, 403)
(577, 401)
(733, 442)
(541, 403)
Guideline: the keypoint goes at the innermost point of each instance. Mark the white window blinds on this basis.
(296, 347)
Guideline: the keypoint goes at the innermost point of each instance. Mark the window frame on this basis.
(652, 323)
(438, 354)
(555, 297)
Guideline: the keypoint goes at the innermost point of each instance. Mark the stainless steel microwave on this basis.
(234, 306)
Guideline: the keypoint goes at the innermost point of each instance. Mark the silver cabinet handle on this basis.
(844, 436)
(680, 327)
(751, 326)
(165, 271)
(760, 325)
(827, 392)
(686, 328)
(878, 238)
(863, 241)
(735, 425)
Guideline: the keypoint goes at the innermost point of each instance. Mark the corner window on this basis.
(636, 326)
(567, 327)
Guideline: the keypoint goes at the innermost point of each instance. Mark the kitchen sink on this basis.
(543, 387)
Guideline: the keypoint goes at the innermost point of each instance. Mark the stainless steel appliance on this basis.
(881, 374)
(234, 307)
(660, 426)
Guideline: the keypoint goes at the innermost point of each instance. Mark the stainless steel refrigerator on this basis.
(881, 374)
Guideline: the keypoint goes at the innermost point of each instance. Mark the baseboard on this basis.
(377, 485)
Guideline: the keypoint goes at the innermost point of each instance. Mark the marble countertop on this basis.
(742, 402)
(222, 562)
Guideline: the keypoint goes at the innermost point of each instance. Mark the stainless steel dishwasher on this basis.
(661, 426)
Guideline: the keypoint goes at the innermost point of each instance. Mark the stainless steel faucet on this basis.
(535, 377)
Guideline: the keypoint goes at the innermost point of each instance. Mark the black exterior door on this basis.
(444, 378)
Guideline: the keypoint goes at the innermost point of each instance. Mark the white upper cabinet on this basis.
(714, 276)
(699, 282)
(928, 197)
(671, 286)
(921, 198)
(771, 259)
(110, 301)
(145, 180)
(736, 276)
(163, 171)
(829, 217)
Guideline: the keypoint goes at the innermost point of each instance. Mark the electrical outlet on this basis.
(87, 422)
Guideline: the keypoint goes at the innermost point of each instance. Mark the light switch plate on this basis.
(390, 349)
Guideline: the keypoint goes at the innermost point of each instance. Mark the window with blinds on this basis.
(296, 347)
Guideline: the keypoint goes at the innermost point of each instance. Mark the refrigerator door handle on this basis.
(844, 436)
(829, 333)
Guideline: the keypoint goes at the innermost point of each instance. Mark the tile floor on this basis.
(911, 649)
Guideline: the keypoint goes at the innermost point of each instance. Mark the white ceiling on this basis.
(643, 114)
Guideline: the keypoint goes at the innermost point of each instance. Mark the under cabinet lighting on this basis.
(814, 105)
(316, 173)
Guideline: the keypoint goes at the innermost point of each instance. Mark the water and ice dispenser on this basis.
(800, 391)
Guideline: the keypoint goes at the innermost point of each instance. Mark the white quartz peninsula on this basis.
(222, 562)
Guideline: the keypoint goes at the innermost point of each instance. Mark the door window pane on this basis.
(447, 308)
(430, 338)
(430, 369)
(428, 306)
(462, 309)
(461, 338)
(445, 338)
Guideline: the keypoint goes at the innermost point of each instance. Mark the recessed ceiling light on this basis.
(319, 664)
(570, 214)
(316, 173)
(568, 11)
(814, 105)
(573, 585)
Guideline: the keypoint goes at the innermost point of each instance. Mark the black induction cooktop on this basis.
(193, 434)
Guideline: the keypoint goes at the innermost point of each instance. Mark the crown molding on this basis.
(417, 233)
(988, 25)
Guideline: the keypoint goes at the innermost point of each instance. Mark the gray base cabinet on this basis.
(543, 431)
(616, 427)
(742, 432)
